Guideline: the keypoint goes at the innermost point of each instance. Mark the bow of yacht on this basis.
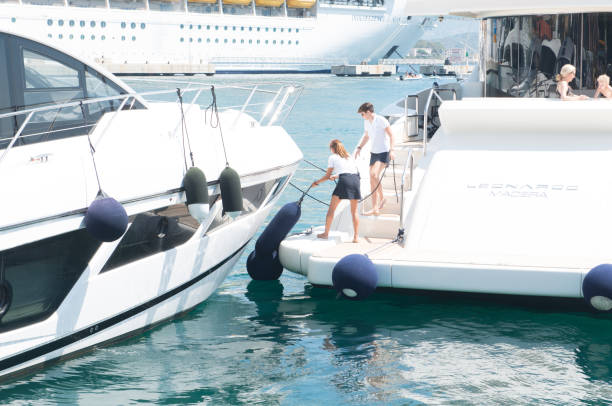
(83, 156)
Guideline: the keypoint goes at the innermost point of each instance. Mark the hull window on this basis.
(39, 275)
(253, 197)
(153, 232)
(163, 229)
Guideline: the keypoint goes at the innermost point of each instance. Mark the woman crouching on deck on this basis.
(342, 166)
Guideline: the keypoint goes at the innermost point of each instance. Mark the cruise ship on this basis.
(235, 36)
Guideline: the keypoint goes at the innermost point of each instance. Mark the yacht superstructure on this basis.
(233, 35)
(511, 195)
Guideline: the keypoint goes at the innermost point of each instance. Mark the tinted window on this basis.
(6, 124)
(42, 72)
(153, 232)
(48, 81)
(98, 86)
(41, 76)
(41, 274)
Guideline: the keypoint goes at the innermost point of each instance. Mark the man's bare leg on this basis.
(375, 171)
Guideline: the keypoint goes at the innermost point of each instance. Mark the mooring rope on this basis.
(377, 186)
(305, 193)
(318, 167)
(184, 129)
(92, 150)
(214, 110)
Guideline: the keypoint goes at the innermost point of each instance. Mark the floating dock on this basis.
(159, 69)
(364, 70)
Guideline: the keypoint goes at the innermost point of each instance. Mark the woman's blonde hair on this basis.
(604, 78)
(565, 70)
(338, 148)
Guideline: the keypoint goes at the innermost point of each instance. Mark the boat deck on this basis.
(375, 248)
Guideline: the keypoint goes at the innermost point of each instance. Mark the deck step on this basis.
(390, 185)
(381, 226)
(391, 206)
(399, 169)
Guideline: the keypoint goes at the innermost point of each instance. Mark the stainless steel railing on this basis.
(409, 164)
(257, 104)
(432, 92)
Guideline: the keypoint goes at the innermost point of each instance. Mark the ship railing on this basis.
(266, 103)
(408, 172)
(433, 92)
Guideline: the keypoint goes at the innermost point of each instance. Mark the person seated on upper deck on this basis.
(567, 74)
(603, 87)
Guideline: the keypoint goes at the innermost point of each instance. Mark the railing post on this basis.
(17, 134)
(246, 103)
(111, 120)
(270, 106)
(425, 123)
(274, 116)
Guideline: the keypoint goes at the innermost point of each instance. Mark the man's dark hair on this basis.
(365, 107)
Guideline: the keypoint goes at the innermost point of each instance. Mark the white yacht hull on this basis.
(129, 299)
(121, 215)
(510, 206)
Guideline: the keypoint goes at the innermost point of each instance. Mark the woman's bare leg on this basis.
(330, 215)
(354, 204)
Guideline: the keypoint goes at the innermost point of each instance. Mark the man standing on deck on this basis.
(381, 152)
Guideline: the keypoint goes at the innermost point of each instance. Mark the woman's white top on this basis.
(342, 165)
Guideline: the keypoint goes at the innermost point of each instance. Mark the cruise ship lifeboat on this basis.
(269, 3)
(301, 3)
(238, 2)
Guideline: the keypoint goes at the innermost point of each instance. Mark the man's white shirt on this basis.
(376, 131)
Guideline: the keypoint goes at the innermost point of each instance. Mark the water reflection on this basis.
(401, 348)
(286, 343)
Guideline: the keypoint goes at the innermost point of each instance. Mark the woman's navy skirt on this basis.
(348, 186)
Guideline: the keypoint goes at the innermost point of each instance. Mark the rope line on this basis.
(92, 150)
(214, 113)
(184, 131)
(377, 186)
(306, 194)
(318, 167)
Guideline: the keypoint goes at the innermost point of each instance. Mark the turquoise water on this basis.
(288, 343)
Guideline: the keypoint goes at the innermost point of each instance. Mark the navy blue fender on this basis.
(597, 287)
(106, 219)
(264, 266)
(355, 276)
(278, 228)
